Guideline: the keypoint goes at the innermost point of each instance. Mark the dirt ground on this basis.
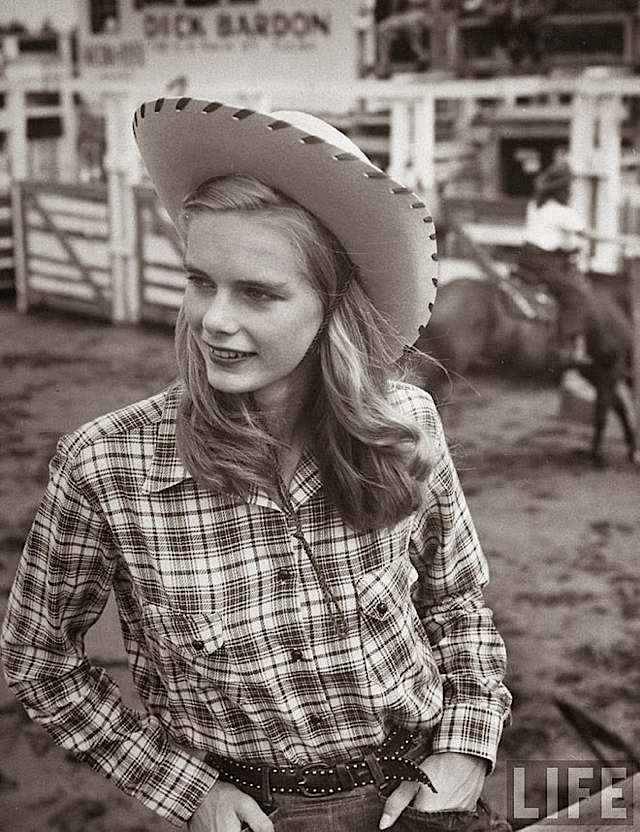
(562, 541)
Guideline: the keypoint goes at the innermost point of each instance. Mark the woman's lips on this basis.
(227, 356)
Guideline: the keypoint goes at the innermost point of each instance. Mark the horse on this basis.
(473, 325)
(609, 343)
(479, 322)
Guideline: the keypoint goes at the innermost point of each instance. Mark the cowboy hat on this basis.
(553, 178)
(384, 227)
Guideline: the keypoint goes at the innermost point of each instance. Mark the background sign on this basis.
(222, 42)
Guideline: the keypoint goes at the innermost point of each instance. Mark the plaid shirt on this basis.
(229, 637)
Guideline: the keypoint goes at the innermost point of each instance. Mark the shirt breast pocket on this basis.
(385, 593)
(187, 647)
(393, 638)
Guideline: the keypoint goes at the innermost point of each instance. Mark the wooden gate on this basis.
(159, 255)
(63, 259)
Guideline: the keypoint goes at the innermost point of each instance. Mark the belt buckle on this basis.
(311, 770)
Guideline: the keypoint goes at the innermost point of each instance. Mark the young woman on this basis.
(296, 571)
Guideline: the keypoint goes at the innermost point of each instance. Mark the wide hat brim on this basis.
(554, 178)
(384, 227)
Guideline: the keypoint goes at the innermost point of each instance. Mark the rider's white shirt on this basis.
(553, 226)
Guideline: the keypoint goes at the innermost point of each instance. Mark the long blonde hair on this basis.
(372, 459)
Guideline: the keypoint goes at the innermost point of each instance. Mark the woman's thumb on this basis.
(397, 803)
(256, 820)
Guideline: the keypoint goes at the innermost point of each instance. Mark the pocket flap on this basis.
(383, 591)
(192, 633)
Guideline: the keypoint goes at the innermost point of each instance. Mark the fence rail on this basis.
(7, 263)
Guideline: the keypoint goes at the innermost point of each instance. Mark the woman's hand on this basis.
(226, 809)
(459, 779)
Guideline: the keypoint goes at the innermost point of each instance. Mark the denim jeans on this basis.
(360, 811)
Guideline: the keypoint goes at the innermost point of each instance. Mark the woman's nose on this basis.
(220, 315)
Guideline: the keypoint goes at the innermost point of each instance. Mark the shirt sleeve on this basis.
(467, 647)
(570, 220)
(61, 587)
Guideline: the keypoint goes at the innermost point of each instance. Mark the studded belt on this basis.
(384, 767)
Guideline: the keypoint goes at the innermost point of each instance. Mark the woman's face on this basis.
(250, 305)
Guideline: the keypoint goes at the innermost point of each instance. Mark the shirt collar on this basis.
(306, 480)
(166, 468)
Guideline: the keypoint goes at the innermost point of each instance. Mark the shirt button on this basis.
(382, 608)
(285, 574)
(297, 655)
(197, 644)
(314, 719)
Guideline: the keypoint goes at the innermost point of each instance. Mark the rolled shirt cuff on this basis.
(470, 729)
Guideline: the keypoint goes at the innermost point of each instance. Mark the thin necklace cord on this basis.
(339, 618)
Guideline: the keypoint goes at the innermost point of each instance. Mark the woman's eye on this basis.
(198, 280)
(258, 294)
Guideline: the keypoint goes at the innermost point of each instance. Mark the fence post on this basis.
(607, 219)
(17, 138)
(426, 149)
(119, 164)
(581, 155)
(635, 310)
(68, 148)
(19, 253)
(399, 139)
(18, 171)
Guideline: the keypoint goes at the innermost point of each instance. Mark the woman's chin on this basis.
(226, 382)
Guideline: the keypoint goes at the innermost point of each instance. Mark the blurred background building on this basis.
(183, 44)
(465, 101)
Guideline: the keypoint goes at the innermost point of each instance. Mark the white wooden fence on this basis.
(138, 279)
(160, 274)
(68, 253)
(6, 242)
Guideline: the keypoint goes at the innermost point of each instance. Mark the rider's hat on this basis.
(554, 178)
